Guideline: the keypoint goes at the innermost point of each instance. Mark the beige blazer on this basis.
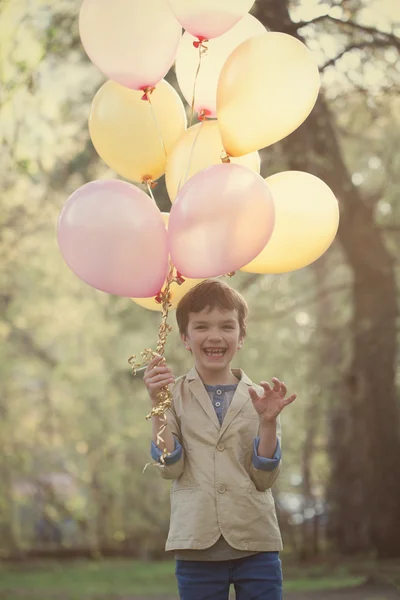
(216, 489)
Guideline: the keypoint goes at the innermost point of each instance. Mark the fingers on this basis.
(154, 366)
(291, 399)
(155, 387)
(279, 387)
(154, 362)
(157, 375)
(160, 377)
(155, 371)
(266, 386)
(253, 394)
(158, 385)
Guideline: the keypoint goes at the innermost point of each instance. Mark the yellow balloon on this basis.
(177, 291)
(199, 147)
(267, 88)
(306, 223)
(134, 136)
(213, 60)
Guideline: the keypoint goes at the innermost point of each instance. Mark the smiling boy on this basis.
(223, 440)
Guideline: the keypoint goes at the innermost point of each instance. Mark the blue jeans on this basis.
(256, 577)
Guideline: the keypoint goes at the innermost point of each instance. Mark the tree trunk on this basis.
(314, 147)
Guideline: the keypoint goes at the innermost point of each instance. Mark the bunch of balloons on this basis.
(249, 88)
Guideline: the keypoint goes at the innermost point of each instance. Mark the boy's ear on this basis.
(240, 344)
(185, 341)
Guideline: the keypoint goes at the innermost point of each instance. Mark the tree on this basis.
(315, 147)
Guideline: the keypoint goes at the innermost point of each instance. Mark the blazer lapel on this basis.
(240, 398)
(200, 393)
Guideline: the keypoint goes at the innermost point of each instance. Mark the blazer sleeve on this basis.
(174, 464)
(264, 471)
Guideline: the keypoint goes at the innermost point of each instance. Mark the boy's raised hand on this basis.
(156, 376)
(272, 402)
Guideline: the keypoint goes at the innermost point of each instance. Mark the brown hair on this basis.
(211, 293)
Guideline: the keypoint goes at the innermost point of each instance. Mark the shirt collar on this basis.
(193, 374)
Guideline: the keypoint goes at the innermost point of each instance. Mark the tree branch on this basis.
(300, 303)
(355, 46)
(31, 347)
(390, 37)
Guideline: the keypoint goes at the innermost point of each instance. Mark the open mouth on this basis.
(215, 352)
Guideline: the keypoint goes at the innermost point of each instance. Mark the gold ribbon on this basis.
(164, 397)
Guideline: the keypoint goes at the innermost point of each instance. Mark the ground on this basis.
(362, 592)
(124, 579)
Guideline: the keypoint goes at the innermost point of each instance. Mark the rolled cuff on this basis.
(262, 463)
(172, 458)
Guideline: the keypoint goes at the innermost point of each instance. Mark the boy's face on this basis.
(213, 336)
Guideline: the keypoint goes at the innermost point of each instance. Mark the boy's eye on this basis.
(200, 327)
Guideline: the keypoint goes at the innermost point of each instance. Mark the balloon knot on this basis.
(200, 43)
(147, 92)
(231, 274)
(179, 279)
(203, 115)
(147, 180)
(158, 298)
(225, 158)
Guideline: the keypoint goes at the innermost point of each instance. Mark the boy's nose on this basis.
(215, 335)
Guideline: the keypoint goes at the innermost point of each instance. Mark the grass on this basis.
(87, 580)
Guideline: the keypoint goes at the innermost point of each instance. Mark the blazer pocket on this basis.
(184, 488)
(250, 488)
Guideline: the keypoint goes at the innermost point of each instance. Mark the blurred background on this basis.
(73, 434)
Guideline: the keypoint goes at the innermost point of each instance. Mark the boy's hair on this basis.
(211, 293)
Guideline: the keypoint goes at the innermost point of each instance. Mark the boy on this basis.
(222, 437)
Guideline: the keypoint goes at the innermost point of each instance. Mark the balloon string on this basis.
(157, 125)
(202, 51)
(164, 397)
(190, 158)
(149, 183)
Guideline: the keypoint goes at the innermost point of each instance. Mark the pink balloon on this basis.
(208, 19)
(133, 42)
(113, 237)
(221, 217)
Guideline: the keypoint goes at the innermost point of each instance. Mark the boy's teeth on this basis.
(215, 352)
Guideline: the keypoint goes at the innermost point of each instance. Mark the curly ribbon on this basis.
(164, 397)
(201, 45)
